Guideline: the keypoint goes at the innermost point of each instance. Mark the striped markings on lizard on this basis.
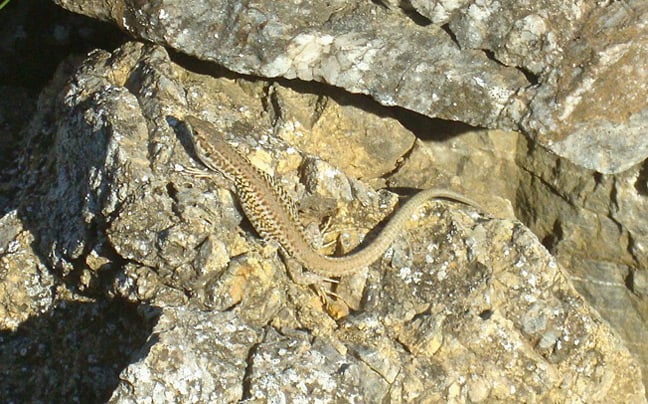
(272, 214)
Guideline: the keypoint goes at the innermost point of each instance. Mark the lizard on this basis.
(273, 215)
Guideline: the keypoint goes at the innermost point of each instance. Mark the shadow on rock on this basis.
(73, 353)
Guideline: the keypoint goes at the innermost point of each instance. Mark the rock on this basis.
(25, 283)
(570, 75)
(462, 305)
(75, 350)
(195, 356)
(308, 122)
(101, 206)
(595, 225)
(360, 47)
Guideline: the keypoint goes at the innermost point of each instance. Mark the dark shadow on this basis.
(35, 37)
(418, 19)
(204, 67)
(74, 352)
(641, 183)
(431, 129)
(551, 240)
(451, 34)
(531, 77)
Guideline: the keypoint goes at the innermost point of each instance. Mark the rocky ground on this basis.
(124, 277)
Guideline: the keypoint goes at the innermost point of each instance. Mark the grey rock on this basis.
(479, 310)
(297, 368)
(592, 109)
(582, 96)
(595, 226)
(439, 11)
(640, 283)
(196, 356)
(25, 283)
(357, 46)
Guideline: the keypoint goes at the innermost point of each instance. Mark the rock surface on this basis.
(25, 283)
(463, 307)
(596, 226)
(571, 75)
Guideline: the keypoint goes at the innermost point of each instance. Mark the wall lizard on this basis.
(273, 216)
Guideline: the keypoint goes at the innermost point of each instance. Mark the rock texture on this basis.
(571, 75)
(464, 306)
(595, 225)
(101, 219)
(25, 283)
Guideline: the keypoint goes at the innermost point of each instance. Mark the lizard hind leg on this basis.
(333, 303)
